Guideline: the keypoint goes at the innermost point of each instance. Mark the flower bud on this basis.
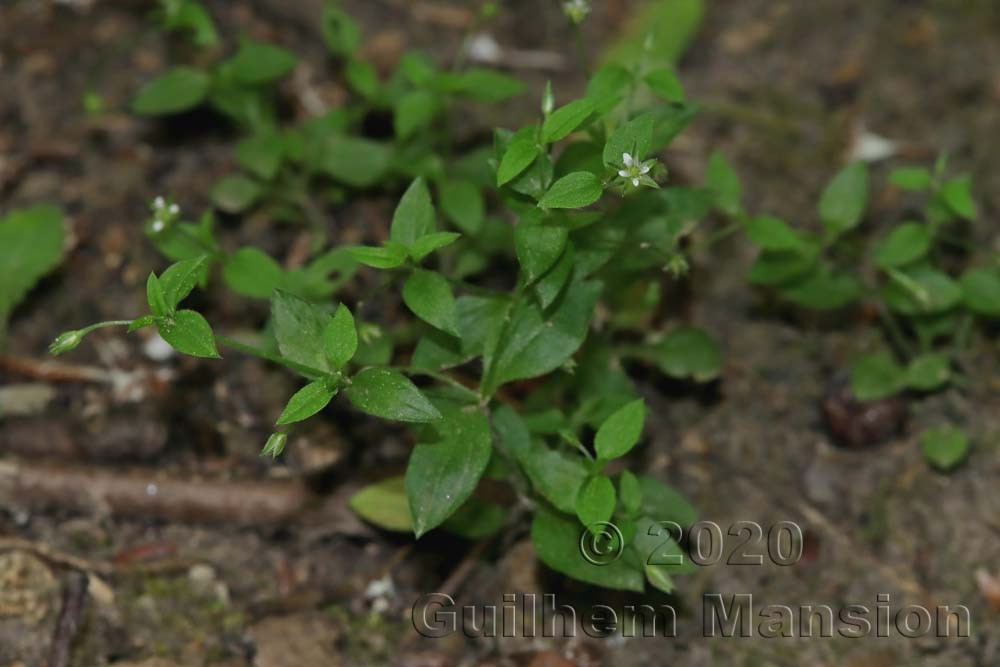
(66, 341)
(275, 445)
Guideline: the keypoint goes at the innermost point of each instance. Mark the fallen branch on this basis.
(149, 494)
(53, 371)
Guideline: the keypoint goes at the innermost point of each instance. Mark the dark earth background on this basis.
(278, 575)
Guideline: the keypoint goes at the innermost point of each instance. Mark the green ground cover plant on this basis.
(529, 269)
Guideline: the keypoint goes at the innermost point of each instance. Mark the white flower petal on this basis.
(623, 173)
(635, 182)
(644, 169)
(158, 202)
(627, 159)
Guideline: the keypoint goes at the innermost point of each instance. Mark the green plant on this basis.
(31, 245)
(927, 284)
(521, 377)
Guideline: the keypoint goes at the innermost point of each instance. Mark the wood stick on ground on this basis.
(53, 371)
(74, 602)
(149, 494)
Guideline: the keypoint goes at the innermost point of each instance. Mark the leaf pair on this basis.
(185, 330)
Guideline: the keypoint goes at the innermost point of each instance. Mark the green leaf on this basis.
(190, 16)
(483, 85)
(535, 343)
(928, 372)
(235, 193)
(354, 161)
(390, 395)
(341, 33)
(556, 475)
(179, 89)
(390, 256)
(843, 202)
(981, 291)
(557, 542)
(906, 244)
(921, 291)
(772, 234)
(621, 431)
(629, 492)
(462, 203)
(384, 504)
(476, 520)
(724, 182)
(775, 267)
(634, 137)
(258, 62)
(307, 401)
(538, 247)
(658, 552)
(261, 154)
(427, 244)
(550, 286)
(188, 332)
(362, 77)
(428, 295)
(340, 338)
(576, 190)
(298, 329)
(521, 152)
(944, 446)
(442, 475)
(252, 272)
(414, 215)
(566, 119)
(155, 297)
(957, 193)
(911, 178)
(31, 245)
(824, 289)
(688, 352)
(876, 376)
(415, 111)
(664, 83)
(181, 278)
(595, 503)
(665, 503)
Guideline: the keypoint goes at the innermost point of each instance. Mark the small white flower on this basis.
(158, 203)
(175, 209)
(635, 170)
(576, 10)
(158, 225)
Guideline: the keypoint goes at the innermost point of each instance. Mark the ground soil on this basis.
(788, 88)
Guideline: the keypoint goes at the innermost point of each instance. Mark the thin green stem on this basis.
(101, 325)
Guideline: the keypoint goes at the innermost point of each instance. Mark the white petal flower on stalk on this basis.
(636, 171)
(576, 10)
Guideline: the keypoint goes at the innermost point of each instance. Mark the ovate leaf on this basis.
(31, 243)
(428, 295)
(443, 474)
(944, 446)
(621, 431)
(180, 89)
(566, 119)
(843, 202)
(385, 504)
(307, 401)
(576, 190)
(414, 215)
(340, 338)
(595, 501)
(298, 328)
(907, 243)
(688, 352)
(876, 376)
(390, 395)
(188, 332)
